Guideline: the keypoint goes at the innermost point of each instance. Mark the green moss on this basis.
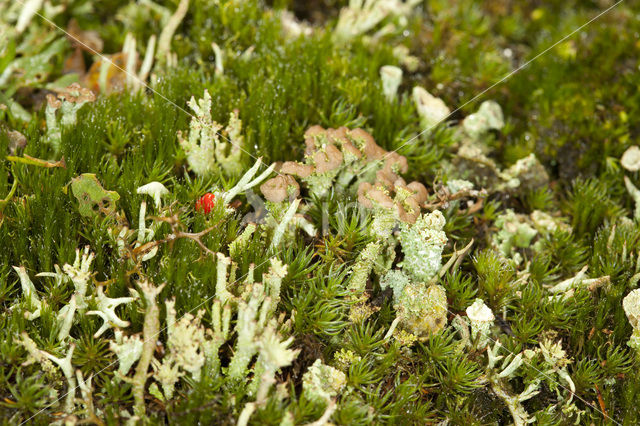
(573, 107)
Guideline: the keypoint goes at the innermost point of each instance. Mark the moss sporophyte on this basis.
(293, 212)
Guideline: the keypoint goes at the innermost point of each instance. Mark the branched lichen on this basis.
(150, 333)
(206, 146)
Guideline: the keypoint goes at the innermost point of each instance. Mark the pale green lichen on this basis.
(363, 267)
(150, 332)
(422, 246)
(128, 350)
(361, 16)
(239, 245)
(30, 294)
(635, 194)
(404, 338)
(514, 232)
(345, 357)
(432, 110)
(80, 274)
(631, 306)
(488, 117)
(422, 310)
(458, 185)
(45, 359)
(527, 173)
(206, 148)
(630, 160)
(321, 382)
(391, 77)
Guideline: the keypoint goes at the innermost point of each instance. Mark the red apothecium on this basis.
(206, 203)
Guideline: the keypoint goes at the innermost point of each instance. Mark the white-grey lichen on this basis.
(481, 318)
(80, 273)
(128, 350)
(551, 362)
(431, 110)
(457, 185)
(527, 173)
(45, 359)
(630, 160)
(635, 194)
(155, 190)
(107, 311)
(361, 16)
(68, 102)
(514, 232)
(391, 77)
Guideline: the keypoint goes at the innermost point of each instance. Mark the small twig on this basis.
(32, 161)
(195, 236)
(601, 402)
(455, 260)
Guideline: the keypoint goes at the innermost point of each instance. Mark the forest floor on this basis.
(319, 212)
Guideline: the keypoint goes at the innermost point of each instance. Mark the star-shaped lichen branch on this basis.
(107, 311)
(80, 273)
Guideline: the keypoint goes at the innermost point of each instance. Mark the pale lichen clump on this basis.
(473, 157)
(321, 382)
(421, 309)
(362, 16)
(459, 185)
(206, 146)
(345, 357)
(432, 110)
(68, 102)
(363, 266)
(551, 361)
(526, 173)
(481, 318)
(630, 160)
(422, 246)
(631, 306)
(514, 232)
(488, 117)
(391, 77)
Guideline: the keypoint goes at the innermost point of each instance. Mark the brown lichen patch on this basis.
(328, 159)
(280, 188)
(296, 169)
(75, 93)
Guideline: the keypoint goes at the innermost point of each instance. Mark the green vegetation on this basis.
(376, 245)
